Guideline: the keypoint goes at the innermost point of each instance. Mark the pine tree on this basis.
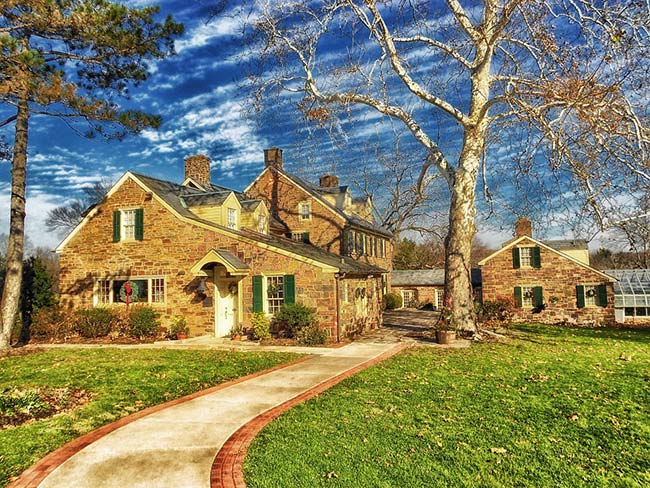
(69, 59)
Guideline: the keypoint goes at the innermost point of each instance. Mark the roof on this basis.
(427, 277)
(208, 198)
(632, 288)
(317, 191)
(418, 277)
(568, 244)
(173, 194)
(518, 240)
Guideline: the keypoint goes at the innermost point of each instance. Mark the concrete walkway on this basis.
(175, 447)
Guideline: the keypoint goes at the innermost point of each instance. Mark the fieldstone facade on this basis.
(186, 264)
(562, 280)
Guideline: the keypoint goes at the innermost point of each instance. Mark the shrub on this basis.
(94, 322)
(312, 335)
(144, 321)
(392, 301)
(292, 318)
(428, 306)
(52, 323)
(178, 325)
(497, 311)
(261, 326)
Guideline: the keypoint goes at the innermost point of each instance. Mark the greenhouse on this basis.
(631, 293)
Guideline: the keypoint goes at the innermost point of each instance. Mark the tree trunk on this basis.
(16, 244)
(458, 251)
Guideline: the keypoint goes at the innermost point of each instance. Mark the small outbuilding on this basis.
(631, 295)
(419, 286)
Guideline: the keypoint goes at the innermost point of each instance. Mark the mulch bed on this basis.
(19, 406)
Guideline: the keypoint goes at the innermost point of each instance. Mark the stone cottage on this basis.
(549, 281)
(216, 255)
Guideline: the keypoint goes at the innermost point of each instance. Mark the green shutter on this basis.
(289, 289)
(305, 237)
(116, 226)
(538, 296)
(257, 294)
(516, 262)
(518, 297)
(537, 257)
(601, 291)
(139, 224)
(580, 296)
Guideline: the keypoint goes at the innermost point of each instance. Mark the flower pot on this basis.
(445, 336)
(180, 337)
(236, 337)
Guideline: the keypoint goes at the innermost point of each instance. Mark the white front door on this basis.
(226, 313)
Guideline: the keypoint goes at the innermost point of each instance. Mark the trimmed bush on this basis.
(94, 322)
(292, 318)
(261, 326)
(312, 335)
(178, 325)
(497, 312)
(52, 323)
(392, 301)
(144, 321)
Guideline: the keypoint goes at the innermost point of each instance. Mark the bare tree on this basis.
(66, 217)
(568, 73)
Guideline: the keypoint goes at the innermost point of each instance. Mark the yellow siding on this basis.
(212, 214)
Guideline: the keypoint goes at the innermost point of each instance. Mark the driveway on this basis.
(410, 319)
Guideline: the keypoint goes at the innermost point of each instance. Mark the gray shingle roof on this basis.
(172, 194)
(568, 244)
(427, 277)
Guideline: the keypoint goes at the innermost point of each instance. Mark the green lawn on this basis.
(122, 382)
(555, 407)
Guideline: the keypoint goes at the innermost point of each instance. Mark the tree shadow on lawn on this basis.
(541, 331)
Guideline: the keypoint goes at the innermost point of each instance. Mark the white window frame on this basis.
(413, 293)
(261, 224)
(301, 213)
(440, 299)
(593, 300)
(97, 302)
(268, 309)
(526, 257)
(298, 236)
(126, 229)
(527, 302)
(231, 218)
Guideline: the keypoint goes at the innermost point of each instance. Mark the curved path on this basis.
(177, 445)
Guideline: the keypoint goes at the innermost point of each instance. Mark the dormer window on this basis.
(261, 224)
(232, 218)
(304, 210)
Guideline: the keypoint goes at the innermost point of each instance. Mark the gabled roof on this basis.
(518, 240)
(568, 244)
(418, 277)
(317, 192)
(171, 195)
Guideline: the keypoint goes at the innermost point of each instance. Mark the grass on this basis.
(556, 407)
(122, 381)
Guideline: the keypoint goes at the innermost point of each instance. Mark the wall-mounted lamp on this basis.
(201, 289)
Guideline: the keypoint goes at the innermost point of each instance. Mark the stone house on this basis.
(418, 286)
(548, 281)
(325, 215)
(213, 255)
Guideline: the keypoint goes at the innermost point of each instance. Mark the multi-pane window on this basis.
(591, 296)
(527, 296)
(440, 299)
(274, 293)
(157, 290)
(140, 290)
(351, 241)
(526, 257)
(103, 292)
(232, 218)
(305, 211)
(408, 298)
(383, 248)
(128, 224)
(261, 224)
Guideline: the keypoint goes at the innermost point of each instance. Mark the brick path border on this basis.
(227, 468)
(35, 474)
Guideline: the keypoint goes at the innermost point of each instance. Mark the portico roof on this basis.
(232, 263)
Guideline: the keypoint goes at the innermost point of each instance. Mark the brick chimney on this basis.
(523, 227)
(273, 157)
(197, 167)
(329, 181)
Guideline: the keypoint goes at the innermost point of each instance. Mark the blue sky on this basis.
(197, 94)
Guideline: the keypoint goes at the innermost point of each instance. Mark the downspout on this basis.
(337, 278)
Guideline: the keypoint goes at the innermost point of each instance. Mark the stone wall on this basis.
(558, 276)
(169, 249)
(325, 227)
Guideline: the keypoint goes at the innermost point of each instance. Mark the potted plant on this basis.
(178, 328)
(236, 332)
(445, 332)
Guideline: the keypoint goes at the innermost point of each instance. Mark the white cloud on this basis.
(203, 34)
